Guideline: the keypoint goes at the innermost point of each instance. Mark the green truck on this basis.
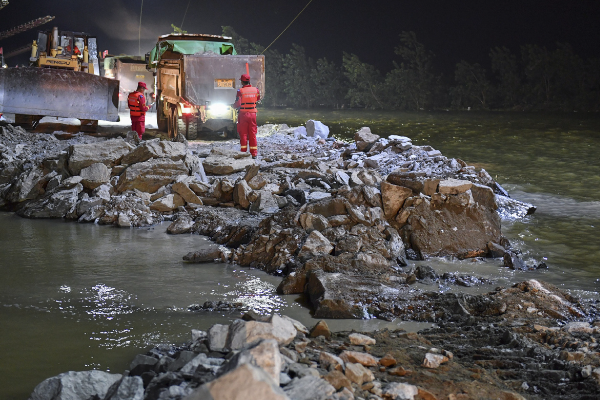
(197, 77)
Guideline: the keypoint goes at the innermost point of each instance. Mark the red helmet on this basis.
(245, 78)
(142, 84)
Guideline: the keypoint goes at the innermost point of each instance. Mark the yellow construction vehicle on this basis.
(63, 81)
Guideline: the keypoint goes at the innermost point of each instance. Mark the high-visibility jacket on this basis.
(249, 96)
(137, 104)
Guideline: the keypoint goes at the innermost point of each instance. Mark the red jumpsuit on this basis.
(246, 100)
(137, 110)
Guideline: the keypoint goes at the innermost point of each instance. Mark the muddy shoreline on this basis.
(341, 222)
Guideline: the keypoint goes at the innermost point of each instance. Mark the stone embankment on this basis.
(522, 354)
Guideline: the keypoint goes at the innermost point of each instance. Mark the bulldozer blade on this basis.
(58, 93)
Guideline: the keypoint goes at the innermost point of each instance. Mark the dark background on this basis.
(452, 30)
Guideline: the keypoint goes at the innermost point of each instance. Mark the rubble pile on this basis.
(276, 357)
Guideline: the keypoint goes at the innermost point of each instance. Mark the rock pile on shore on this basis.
(273, 357)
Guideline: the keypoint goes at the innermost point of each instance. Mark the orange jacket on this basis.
(246, 100)
(137, 104)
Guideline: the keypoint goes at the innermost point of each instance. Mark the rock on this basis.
(204, 255)
(342, 178)
(401, 179)
(316, 129)
(242, 333)
(217, 337)
(226, 161)
(513, 209)
(358, 358)
(155, 148)
(450, 229)
(578, 327)
(181, 188)
(338, 380)
(365, 139)
(388, 360)
(55, 204)
(484, 195)
(400, 391)
(107, 152)
(94, 175)
(514, 261)
(183, 224)
(311, 222)
(167, 203)
(29, 185)
(433, 360)
(263, 354)
(149, 176)
(189, 369)
(244, 382)
(361, 340)
(142, 363)
(74, 385)
(258, 182)
(315, 244)
(430, 186)
(454, 186)
(309, 388)
(320, 329)
(133, 138)
(393, 197)
(358, 374)
(495, 250)
(198, 187)
(298, 325)
(241, 191)
(128, 388)
(327, 359)
(123, 221)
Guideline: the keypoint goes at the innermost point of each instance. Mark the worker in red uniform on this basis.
(137, 109)
(246, 100)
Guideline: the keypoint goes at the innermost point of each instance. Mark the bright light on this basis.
(5, 66)
(219, 108)
(187, 110)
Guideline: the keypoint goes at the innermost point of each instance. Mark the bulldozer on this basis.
(62, 81)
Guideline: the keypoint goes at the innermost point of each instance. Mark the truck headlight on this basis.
(219, 109)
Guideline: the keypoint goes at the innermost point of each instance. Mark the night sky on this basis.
(453, 30)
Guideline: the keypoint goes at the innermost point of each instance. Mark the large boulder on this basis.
(315, 244)
(29, 185)
(393, 197)
(155, 148)
(149, 176)
(316, 129)
(309, 388)
(226, 161)
(241, 191)
(74, 385)
(56, 204)
(109, 153)
(242, 333)
(452, 225)
(167, 203)
(182, 188)
(244, 382)
(365, 139)
(95, 175)
(263, 354)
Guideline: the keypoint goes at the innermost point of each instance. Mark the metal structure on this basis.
(25, 27)
(3, 3)
(197, 77)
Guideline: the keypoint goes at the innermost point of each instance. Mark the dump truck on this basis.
(128, 70)
(197, 77)
(62, 81)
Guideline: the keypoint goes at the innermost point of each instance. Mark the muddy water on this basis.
(76, 297)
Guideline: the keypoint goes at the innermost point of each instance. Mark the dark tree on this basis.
(476, 89)
(510, 80)
(366, 84)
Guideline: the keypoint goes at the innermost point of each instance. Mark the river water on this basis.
(81, 296)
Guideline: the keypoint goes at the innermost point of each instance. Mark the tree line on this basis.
(536, 79)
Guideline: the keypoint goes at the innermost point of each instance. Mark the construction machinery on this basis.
(197, 81)
(128, 70)
(62, 81)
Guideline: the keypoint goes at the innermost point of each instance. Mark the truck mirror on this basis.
(147, 58)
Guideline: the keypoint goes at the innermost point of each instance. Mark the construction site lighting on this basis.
(219, 108)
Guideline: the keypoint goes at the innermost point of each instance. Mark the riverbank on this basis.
(365, 247)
